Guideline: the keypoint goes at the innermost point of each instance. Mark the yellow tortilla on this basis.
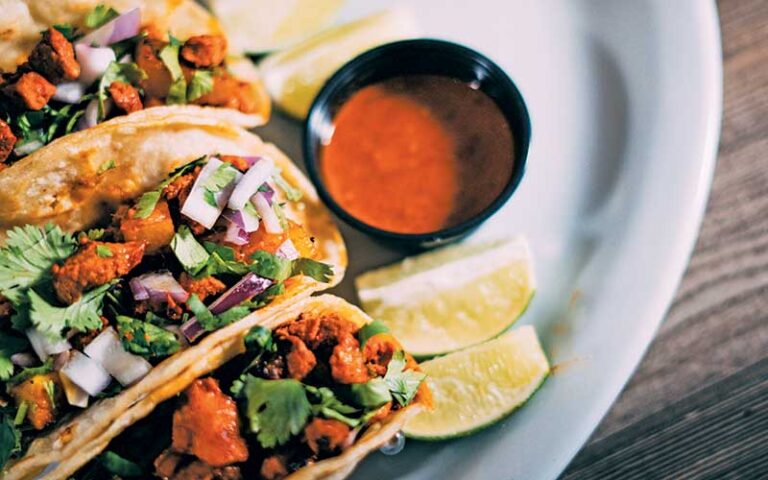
(63, 453)
(60, 184)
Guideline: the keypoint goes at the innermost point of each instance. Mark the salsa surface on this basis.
(417, 154)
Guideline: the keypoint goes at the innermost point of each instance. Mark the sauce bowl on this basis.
(417, 57)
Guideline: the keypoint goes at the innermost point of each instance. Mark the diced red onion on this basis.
(196, 208)
(43, 346)
(91, 116)
(268, 192)
(288, 250)
(120, 28)
(267, 214)
(156, 286)
(192, 329)
(94, 61)
(249, 286)
(61, 359)
(126, 367)
(259, 173)
(235, 234)
(243, 219)
(252, 160)
(23, 359)
(69, 92)
(86, 373)
(76, 396)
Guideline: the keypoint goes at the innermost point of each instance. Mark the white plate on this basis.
(625, 101)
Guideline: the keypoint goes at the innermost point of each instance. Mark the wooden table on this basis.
(697, 407)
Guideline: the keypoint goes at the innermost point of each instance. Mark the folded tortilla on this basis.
(61, 184)
(60, 459)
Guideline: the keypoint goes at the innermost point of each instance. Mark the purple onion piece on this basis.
(61, 359)
(192, 330)
(157, 285)
(23, 359)
(249, 286)
(137, 289)
(268, 192)
(235, 234)
(251, 161)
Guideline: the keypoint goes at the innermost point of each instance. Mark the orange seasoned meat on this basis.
(156, 231)
(205, 51)
(347, 363)
(271, 242)
(7, 141)
(86, 268)
(126, 97)
(202, 287)
(31, 91)
(208, 426)
(229, 92)
(40, 393)
(316, 331)
(54, 58)
(378, 351)
(300, 359)
(273, 468)
(158, 80)
(239, 163)
(181, 187)
(201, 471)
(326, 436)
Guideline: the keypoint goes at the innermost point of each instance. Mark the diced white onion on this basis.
(86, 373)
(28, 147)
(69, 92)
(288, 250)
(76, 396)
(43, 346)
(126, 367)
(259, 173)
(91, 116)
(196, 208)
(93, 62)
(267, 214)
(120, 28)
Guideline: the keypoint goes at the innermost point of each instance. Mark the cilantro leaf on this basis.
(103, 251)
(28, 256)
(107, 165)
(117, 72)
(259, 339)
(291, 193)
(371, 394)
(100, 15)
(210, 198)
(83, 315)
(402, 383)
(201, 83)
(222, 261)
(10, 440)
(275, 409)
(220, 178)
(192, 256)
(369, 330)
(30, 372)
(324, 403)
(177, 93)
(211, 322)
(66, 29)
(147, 202)
(145, 339)
(322, 272)
(95, 233)
(117, 465)
(9, 345)
(271, 266)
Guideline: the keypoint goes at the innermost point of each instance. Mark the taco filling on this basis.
(305, 392)
(74, 79)
(85, 315)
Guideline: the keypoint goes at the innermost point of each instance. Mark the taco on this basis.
(68, 65)
(127, 244)
(304, 394)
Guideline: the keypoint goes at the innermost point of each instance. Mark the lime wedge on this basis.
(477, 387)
(293, 77)
(259, 26)
(452, 298)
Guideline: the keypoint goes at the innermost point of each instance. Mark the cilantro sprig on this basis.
(83, 315)
(177, 93)
(145, 339)
(148, 201)
(9, 345)
(402, 383)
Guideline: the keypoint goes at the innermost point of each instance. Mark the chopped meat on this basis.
(378, 351)
(202, 287)
(181, 187)
(31, 91)
(316, 331)
(272, 368)
(326, 436)
(150, 102)
(271, 242)
(54, 57)
(239, 163)
(7, 141)
(300, 359)
(156, 231)
(86, 268)
(382, 413)
(158, 80)
(198, 470)
(273, 468)
(166, 463)
(126, 97)
(36, 393)
(229, 92)
(208, 425)
(347, 362)
(205, 51)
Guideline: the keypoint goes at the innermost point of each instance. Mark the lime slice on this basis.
(452, 298)
(477, 387)
(293, 77)
(259, 26)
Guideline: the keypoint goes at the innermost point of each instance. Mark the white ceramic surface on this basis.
(625, 101)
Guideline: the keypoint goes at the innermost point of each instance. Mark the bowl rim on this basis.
(326, 97)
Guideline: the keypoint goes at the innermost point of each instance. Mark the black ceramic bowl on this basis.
(418, 57)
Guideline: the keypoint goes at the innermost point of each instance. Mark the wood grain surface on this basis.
(697, 407)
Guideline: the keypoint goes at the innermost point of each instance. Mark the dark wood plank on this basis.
(718, 324)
